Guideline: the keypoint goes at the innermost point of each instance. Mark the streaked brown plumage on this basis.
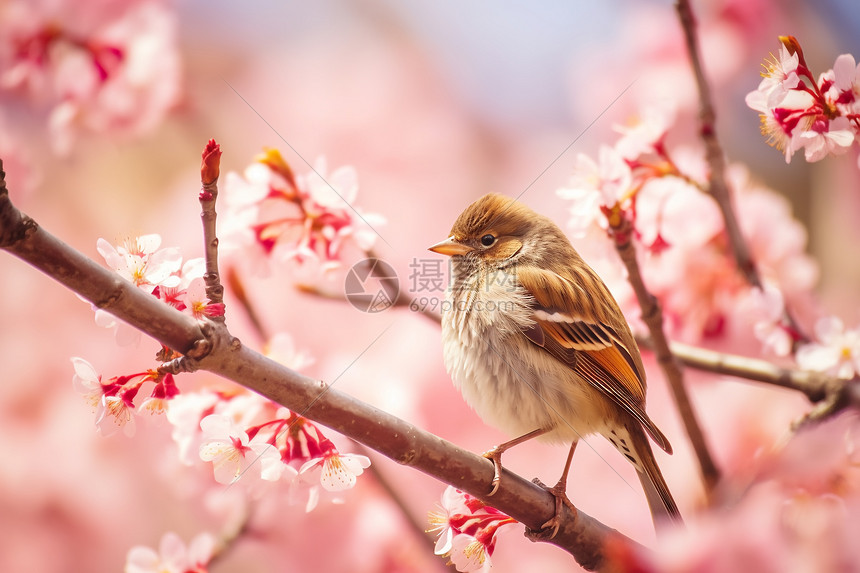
(538, 346)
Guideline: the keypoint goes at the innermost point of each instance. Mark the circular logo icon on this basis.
(371, 285)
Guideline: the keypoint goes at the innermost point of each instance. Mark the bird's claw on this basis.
(495, 456)
(550, 527)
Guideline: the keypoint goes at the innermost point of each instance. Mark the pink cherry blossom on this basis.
(645, 133)
(156, 271)
(469, 554)
(783, 124)
(453, 503)
(117, 413)
(172, 556)
(799, 112)
(164, 392)
(696, 278)
(282, 348)
(334, 471)
(233, 453)
(780, 76)
(836, 352)
(770, 328)
(689, 266)
(826, 137)
(87, 381)
(185, 413)
(140, 261)
(105, 66)
(194, 299)
(113, 400)
(675, 211)
(467, 530)
(117, 410)
(234, 431)
(309, 221)
(841, 85)
(595, 184)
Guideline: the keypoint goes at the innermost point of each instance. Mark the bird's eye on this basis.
(488, 240)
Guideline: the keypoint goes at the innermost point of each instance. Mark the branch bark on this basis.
(207, 345)
(829, 394)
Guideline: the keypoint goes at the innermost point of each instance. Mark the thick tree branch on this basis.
(415, 524)
(209, 346)
(22, 236)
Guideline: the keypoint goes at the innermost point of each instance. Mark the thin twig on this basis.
(621, 230)
(813, 384)
(209, 346)
(717, 184)
(209, 171)
(718, 187)
(830, 394)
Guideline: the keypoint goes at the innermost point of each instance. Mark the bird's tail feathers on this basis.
(636, 448)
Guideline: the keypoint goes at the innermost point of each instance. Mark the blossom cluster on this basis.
(661, 190)
(113, 400)
(798, 111)
(159, 272)
(274, 217)
(242, 434)
(467, 529)
(687, 263)
(248, 437)
(97, 66)
(239, 433)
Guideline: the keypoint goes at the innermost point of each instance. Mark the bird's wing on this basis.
(569, 327)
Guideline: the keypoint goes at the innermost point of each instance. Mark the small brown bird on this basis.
(539, 347)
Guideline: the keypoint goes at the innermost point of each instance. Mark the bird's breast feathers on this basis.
(488, 301)
(511, 384)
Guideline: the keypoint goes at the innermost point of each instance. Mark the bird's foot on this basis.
(550, 528)
(495, 456)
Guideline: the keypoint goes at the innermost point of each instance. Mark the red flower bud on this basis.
(210, 169)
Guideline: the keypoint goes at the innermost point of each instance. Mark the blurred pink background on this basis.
(434, 104)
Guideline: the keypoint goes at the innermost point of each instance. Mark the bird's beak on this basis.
(450, 247)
